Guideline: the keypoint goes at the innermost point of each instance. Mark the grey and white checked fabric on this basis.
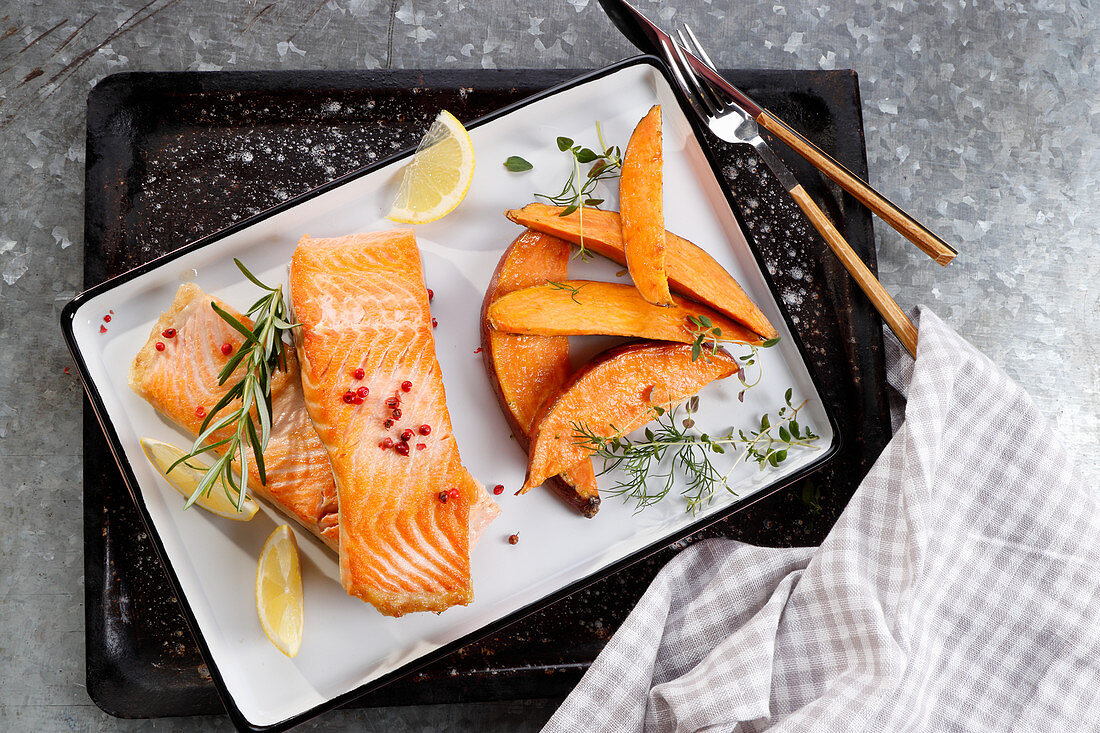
(959, 590)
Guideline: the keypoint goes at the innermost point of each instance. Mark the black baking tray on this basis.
(164, 168)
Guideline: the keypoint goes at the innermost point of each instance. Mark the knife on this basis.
(650, 39)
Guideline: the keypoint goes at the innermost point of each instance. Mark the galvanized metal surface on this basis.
(980, 120)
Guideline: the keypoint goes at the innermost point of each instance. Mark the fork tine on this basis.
(705, 100)
(676, 65)
(697, 48)
(715, 101)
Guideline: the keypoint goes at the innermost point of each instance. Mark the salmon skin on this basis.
(181, 382)
(362, 305)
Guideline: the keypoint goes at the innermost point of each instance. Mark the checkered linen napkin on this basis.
(959, 590)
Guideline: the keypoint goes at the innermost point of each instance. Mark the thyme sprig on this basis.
(573, 290)
(578, 188)
(748, 360)
(769, 444)
(705, 333)
(578, 191)
(670, 448)
(262, 352)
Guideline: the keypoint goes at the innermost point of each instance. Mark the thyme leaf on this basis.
(517, 164)
(262, 353)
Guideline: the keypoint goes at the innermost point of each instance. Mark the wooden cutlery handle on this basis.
(906, 225)
(891, 312)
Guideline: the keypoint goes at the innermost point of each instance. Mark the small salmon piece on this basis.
(362, 303)
(183, 378)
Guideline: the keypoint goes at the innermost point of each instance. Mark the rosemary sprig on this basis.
(577, 193)
(651, 464)
(573, 290)
(262, 352)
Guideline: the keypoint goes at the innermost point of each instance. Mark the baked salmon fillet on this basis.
(374, 390)
(181, 382)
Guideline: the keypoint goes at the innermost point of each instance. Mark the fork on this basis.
(727, 122)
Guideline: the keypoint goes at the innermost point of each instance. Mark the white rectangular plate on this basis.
(347, 647)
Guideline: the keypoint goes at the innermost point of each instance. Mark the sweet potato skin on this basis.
(587, 307)
(524, 370)
(614, 394)
(691, 271)
(642, 202)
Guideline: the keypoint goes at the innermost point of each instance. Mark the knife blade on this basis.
(635, 26)
(649, 38)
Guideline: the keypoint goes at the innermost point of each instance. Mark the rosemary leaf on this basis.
(244, 271)
(237, 325)
(257, 450)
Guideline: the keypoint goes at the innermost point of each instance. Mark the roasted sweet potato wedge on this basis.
(614, 394)
(641, 200)
(525, 370)
(586, 307)
(691, 271)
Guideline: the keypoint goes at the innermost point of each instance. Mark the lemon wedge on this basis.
(438, 175)
(185, 480)
(279, 591)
